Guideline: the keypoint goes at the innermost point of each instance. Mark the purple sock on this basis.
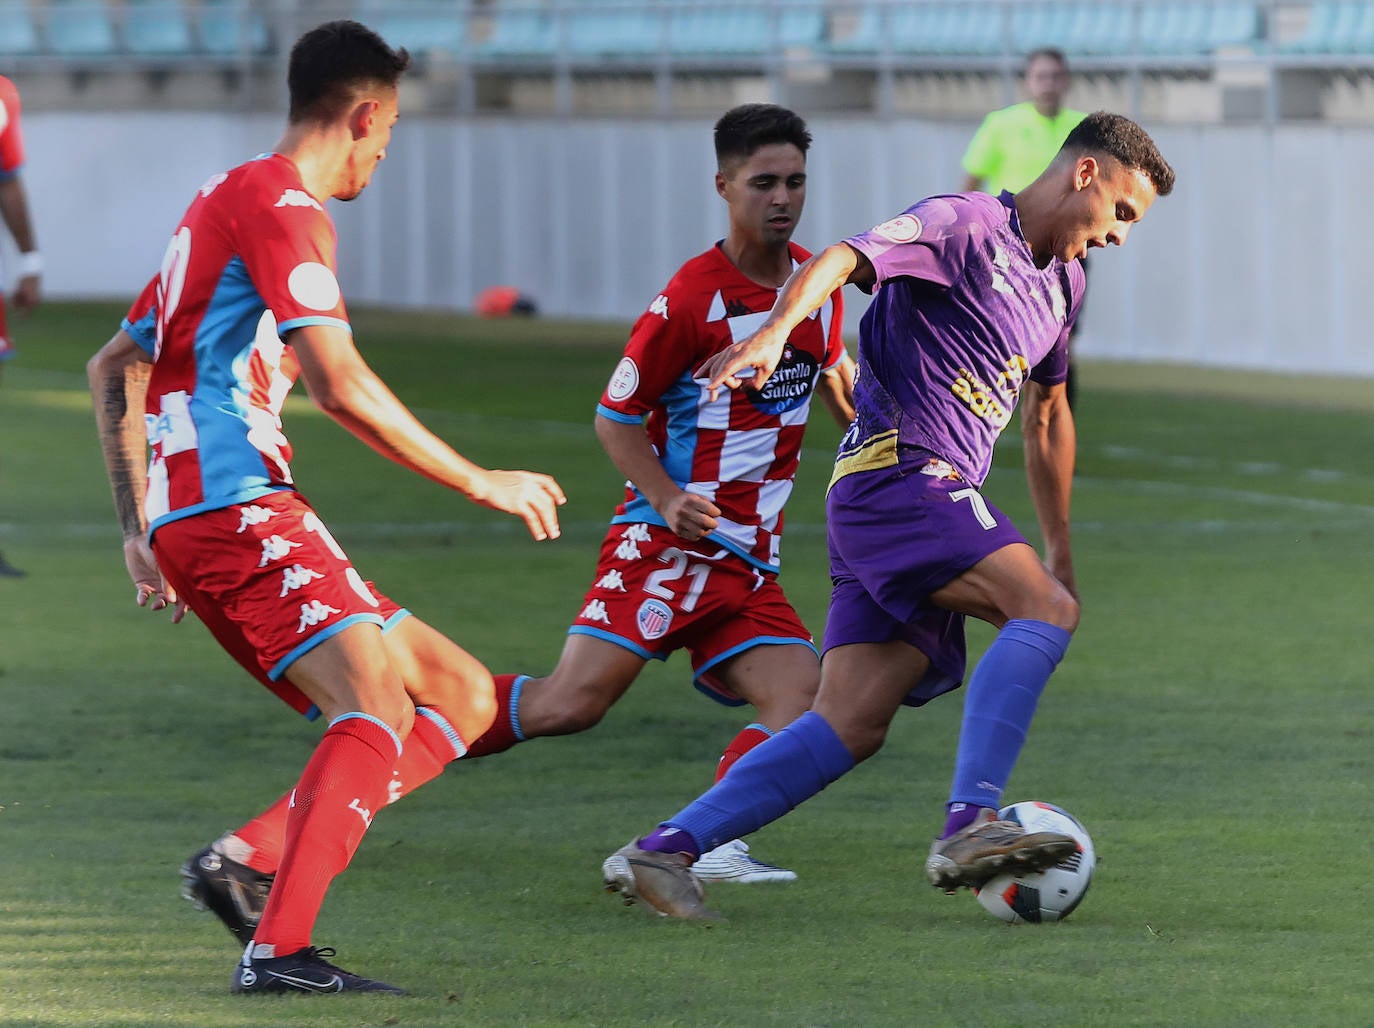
(959, 816)
(666, 839)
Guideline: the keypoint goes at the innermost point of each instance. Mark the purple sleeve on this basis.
(927, 241)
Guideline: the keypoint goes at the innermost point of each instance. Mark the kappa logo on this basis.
(627, 550)
(213, 183)
(361, 811)
(638, 532)
(298, 198)
(660, 306)
(612, 581)
(314, 613)
(297, 577)
(275, 548)
(653, 619)
(254, 515)
(595, 611)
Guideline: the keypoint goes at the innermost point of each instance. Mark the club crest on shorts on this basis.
(654, 619)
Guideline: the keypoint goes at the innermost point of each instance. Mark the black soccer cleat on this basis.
(306, 970)
(233, 892)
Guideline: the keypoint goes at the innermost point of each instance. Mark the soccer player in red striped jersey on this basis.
(692, 555)
(14, 211)
(246, 301)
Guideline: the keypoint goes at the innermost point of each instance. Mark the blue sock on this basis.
(1002, 694)
(765, 783)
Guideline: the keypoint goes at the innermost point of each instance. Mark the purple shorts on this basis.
(897, 535)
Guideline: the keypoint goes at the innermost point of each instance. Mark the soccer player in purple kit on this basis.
(975, 298)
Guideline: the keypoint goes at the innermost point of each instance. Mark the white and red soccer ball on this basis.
(1049, 895)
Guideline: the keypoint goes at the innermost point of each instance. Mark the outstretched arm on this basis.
(804, 291)
(118, 375)
(342, 385)
(1050, 441)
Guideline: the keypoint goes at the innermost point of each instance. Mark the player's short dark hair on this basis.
(1053, 53)
(1118, 136)
(331, 64)
(743, 129)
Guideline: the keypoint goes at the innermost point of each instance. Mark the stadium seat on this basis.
(1330, 29)
(519, 28)
(18, 36)
(616, 28)
(79, 28)
(421, 26)
(232, 28)
(699, 29)
(156, 28)
(1235, 24)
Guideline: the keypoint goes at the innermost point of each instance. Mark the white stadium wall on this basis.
(1254, 262)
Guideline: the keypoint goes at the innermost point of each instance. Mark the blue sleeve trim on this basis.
(615, 415)
(11, 175)
(516, 687)
(287, 326)
(619, 640)
(279, 668)
(395, 620)
(141, 333)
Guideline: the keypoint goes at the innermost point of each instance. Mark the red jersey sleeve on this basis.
(665, 345)
(288, 245)
(141, 321)
(11, 137)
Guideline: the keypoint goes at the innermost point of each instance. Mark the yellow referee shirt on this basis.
(1015, 144)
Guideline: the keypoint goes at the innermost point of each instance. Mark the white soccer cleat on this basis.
(731, 862)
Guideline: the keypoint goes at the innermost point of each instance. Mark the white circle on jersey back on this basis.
(313, 285)
(904, 228)
(624, 380)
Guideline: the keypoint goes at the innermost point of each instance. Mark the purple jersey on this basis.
(962, 317)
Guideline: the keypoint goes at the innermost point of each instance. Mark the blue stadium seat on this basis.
(79, 28)
(1330, 28)
(725, 29)
(519, 28)
(616, 28)
(421, 26)
(156, 28)
(1235, 24)
(1178, 29)
(18, 35)
(231, 28)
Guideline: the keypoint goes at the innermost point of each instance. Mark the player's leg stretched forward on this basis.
(452, 697)
(593, 673)
(862, 686)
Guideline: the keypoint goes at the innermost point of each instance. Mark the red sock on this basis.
(739, 746)
(432, 743)
(343, 785)
(504, 731)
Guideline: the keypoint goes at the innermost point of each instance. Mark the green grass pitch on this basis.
(1211, 726)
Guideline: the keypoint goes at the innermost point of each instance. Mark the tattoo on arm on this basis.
(122, 439)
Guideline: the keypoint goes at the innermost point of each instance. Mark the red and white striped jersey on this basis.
(253, 258)
(742, 449)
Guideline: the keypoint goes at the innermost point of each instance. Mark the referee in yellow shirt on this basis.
(1015, 144)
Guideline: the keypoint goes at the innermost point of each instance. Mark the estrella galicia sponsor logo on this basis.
(653, 619)
(791, 384)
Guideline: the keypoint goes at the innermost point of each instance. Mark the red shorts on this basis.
(655, 592)
(270, 583)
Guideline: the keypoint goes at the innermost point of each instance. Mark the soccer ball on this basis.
(1049, 895)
